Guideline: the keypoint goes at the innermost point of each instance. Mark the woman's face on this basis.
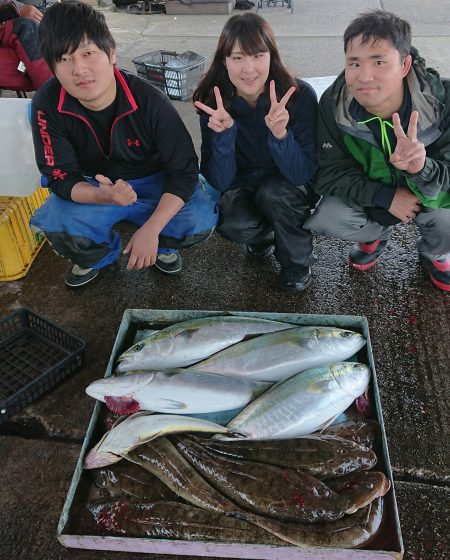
(248, 72)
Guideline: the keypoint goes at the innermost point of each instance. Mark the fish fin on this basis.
(169, 404)
(187, 333)
(325, 425)
(122, 405)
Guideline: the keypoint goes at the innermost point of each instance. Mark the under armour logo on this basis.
(58, 174)
(135, 142)
(327, 146)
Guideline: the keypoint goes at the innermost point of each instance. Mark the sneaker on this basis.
(260, 249)
(298, 280)
(170, 263)
(77, 276)
(364, 255)
(439, 271)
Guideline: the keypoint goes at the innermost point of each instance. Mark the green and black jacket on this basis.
(351, 163)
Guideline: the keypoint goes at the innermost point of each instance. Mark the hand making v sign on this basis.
(219, 119)
(278, 116)
(409, 154)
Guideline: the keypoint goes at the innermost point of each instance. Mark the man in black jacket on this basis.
(112, 148)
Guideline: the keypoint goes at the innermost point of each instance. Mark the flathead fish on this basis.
(304, 403)
(185, 343)
(140, 428)
(175, 391)
(162, 459)
(322, 456)
(173, 520)
(281, 493)
(127, 480)
(276, 356)
(363, 432)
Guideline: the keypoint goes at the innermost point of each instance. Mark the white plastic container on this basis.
(19, 175)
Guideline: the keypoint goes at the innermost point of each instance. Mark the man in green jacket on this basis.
(384, 147)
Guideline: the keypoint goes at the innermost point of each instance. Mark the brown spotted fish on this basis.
(277, 492)
(172, 520)
(322, 456)
(128, 480)
(162, 459)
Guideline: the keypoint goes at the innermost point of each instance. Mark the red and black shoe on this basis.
(364, 255)
(439, 271)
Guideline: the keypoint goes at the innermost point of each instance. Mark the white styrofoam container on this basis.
(19, 175)
(388, 542)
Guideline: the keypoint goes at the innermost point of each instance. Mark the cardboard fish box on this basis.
(135, 325)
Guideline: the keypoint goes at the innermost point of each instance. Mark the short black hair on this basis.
(379, 24)
(64, 27)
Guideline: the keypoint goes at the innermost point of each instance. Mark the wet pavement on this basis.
(409, 319)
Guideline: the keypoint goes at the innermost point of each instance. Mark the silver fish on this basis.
(176, 391)
(188, 342)
(140, 428)
(304, 403)
(276, 356)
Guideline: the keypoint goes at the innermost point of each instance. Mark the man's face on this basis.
(88, 75)
(374, 73)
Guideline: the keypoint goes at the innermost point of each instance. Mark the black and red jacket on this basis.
(147, 136)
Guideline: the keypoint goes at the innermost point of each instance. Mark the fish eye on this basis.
(138, 347)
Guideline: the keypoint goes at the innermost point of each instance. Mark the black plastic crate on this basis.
(178, 82)
(34, 355)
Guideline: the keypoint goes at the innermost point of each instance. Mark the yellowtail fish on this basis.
(185, 343)
(276, 356)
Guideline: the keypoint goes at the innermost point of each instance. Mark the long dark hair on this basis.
(254, 35)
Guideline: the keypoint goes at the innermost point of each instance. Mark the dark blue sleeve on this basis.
(295, 154)
(218, 157)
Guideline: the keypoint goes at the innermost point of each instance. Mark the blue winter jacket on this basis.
(247, 153)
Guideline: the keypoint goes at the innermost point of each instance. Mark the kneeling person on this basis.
(383, 147)
(112, 148)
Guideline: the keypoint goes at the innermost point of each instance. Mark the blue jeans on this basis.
(83, 233)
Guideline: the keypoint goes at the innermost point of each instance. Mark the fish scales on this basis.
(163, 460)
(265, 489)
(140, 428)
(362, 432)
(128, 480)
(319, 455)
(185, 343)
(172, 520)
(303, 403)
(276, 356)
(175, 390)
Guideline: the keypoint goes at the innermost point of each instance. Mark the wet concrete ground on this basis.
(409, 319)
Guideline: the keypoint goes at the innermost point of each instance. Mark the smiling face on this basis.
(374, 73)
(248, 72)
(88, 75)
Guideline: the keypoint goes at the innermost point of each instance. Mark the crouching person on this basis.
(112, 148)
(258, 127)
(384, 148)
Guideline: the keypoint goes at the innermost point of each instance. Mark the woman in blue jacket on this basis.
(258, 127)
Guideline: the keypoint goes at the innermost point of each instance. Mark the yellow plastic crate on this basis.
(18, 244)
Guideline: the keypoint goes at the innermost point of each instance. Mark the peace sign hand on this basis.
(219, 119)
(409, 154)
(278, 116)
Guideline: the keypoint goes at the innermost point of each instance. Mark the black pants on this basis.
(249, 214)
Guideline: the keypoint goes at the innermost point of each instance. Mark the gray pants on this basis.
(334, 218)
